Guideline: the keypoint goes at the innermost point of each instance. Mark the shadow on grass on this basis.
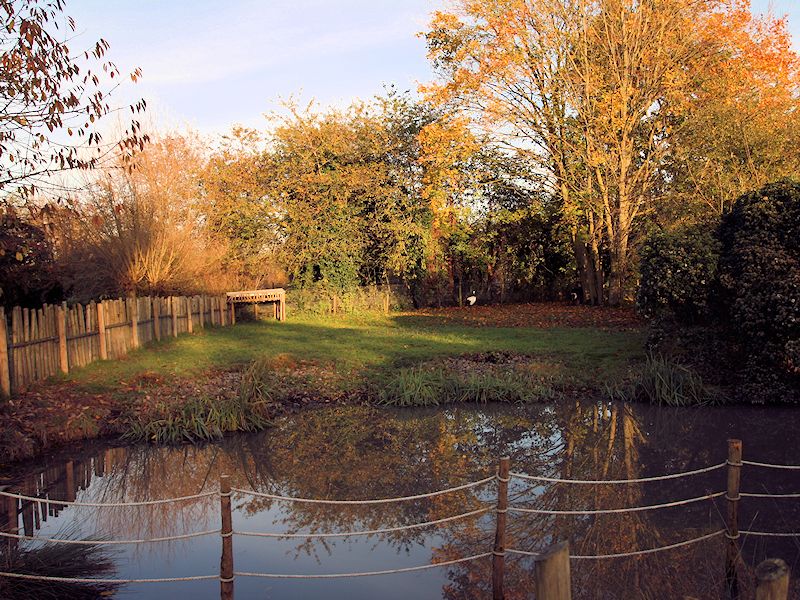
(350, 344)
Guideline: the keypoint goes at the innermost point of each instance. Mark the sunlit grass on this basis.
(364, 342)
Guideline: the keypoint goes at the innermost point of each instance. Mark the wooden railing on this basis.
(38, 343)
(275, 296)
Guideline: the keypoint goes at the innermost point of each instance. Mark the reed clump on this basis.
(427, 386)
(665, 382)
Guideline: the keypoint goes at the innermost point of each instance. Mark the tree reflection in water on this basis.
(363, 453)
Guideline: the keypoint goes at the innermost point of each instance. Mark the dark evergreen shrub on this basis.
(760, 280)
(678, 274)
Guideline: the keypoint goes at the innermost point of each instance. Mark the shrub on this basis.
(760, 279)
(678, 273)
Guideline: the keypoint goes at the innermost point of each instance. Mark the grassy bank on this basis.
(353, 343)
(233, 378)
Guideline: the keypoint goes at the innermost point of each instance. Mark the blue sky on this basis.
(210, 64)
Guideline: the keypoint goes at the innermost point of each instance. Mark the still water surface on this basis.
(361, 453)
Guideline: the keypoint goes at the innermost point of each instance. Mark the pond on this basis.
(366, 453)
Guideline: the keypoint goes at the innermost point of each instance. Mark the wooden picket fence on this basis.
(38, 343)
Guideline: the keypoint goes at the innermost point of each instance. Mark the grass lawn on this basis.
(351, 344)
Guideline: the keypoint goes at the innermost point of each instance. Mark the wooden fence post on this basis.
(226, 560)
(61, 330)
(173, 307)
(233, 313)
(499, 552)
(156, 302)
(5, 374)
(552, 577)
(189, 325)
(134, 302)
(200, 319)
(101, 330)
(732, 496)
(222, 310)
(772, 580)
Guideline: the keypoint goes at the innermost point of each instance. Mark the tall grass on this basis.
(664, 382)
(56, 560)
(198, 419)
(421, 386)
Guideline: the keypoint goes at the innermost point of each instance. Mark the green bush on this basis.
(760, 279)
(678, 274)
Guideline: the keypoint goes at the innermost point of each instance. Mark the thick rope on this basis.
(755, 495)
(770, 466)
(480, 511)
(106, 542)
(605, 511)
(380, 501)
(770, 533)
(120, 581)
(616, 481)
(363, 574)
(626, 554)
(107, 504)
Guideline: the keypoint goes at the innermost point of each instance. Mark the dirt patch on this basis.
(543, 315)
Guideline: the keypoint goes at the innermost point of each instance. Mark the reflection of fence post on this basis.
(499, 552)
(5, 373)
(732, 496)
(552, 577)
(101, 331)
(226, 561)
(772, 577)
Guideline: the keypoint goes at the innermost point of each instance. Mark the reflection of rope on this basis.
(480, 511)
(607, 481)
(108, 504)
(626, 554)
(770, 534)
(87, 580)
(770, 466)
(366, 573)
(381, 501)
(604, 511)
(103, 542)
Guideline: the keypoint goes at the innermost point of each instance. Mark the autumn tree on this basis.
(592, 89)
(53, 97)
(238, 208)
(140, 230)
(740, 127)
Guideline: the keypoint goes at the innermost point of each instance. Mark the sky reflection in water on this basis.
(360, 453)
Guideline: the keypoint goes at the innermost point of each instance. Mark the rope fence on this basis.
(365, 573)
(109, 504)
(503, 476)
(466, 486)
(701, 538)
(618, 481)
(466, 515)
(169, 538)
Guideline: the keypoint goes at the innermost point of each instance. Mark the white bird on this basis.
(472, 299)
